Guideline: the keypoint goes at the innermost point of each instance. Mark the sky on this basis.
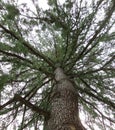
(43, 4)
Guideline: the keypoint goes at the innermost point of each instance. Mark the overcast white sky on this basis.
(43, 4)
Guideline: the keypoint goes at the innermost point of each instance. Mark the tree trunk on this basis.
(64, 105)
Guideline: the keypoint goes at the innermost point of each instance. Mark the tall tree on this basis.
(57, 63)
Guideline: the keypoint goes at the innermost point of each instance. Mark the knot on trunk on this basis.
(59, 74)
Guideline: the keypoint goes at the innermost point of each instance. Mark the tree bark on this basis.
(64, 113)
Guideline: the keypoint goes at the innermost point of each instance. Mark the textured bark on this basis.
(64, 105)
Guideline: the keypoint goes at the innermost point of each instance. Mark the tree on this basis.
(60, 63)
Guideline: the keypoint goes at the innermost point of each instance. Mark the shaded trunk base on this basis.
(64, 105)
(64, 113)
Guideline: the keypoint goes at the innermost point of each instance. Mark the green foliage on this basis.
(12, 11)
(76, 35)
(3, 80)
(4, 46)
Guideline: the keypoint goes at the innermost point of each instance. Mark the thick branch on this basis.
(24, 59)
(30, 105)
(27, 45)
(15, 55)
(7, 103)
(27, 103)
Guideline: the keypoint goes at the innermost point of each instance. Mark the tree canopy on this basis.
(77, 35)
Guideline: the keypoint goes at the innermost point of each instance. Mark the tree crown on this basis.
(77, 36)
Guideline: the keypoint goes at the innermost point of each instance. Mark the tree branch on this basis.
(30, 105)
(30, 47)
(100, 69)
(15, 55)
(103, 23)
(97, 109)
(7, 103)
(98, 96)
(27, 103)
(104, 66)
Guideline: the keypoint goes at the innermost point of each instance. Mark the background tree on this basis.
(76, 39)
